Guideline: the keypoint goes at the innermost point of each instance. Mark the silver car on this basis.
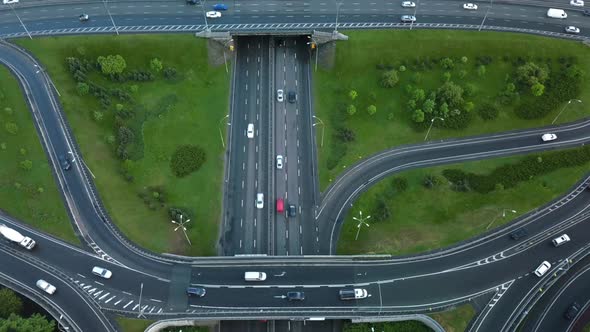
(408, 4)
(408, 18)
(280, 95)
(46, 287)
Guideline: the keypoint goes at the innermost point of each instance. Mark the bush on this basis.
(389, 79)
(381, 212)
(170, 73)
(488, 111)
(431, 181)
(345, 135)
(156, 65)
(399, 184)
(372, 109)
(82, 88)
(187, 159)
(11, 127)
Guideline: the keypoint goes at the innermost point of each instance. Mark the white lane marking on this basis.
(125, 306)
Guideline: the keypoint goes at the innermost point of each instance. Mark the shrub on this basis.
(381, 212)
(345, 135)
(372, 109)
(156, 65)
(447, 63)
(488, 111)
(125, 135)
(431, 181)
(97, 116)
(82, 88)
(351, 109)
(11, 127)
(187, 159)
(399, 184)
(170, 73)
(389, 79)
(26, 165)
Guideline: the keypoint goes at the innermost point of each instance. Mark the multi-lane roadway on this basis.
(154, 286)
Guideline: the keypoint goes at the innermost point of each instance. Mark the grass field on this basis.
(455, 320)
(28, 195)
(425, 219)
(201, 100)
(356, 68)
(133, 325)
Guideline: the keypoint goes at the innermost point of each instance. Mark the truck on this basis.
(556, 13)
(15, 236)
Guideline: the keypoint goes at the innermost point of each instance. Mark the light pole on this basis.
(219, 127)
(41, 69)
(21, 22)
(496, 217)
(415, 11)
(313, 44)
(205, 15)
(338, 4)
(323, 127)
(140, 294)
(109, 12)
(485, 16)
(431, 123)
(564, 107)
(181, 226)
(362, 221)
(83, 163)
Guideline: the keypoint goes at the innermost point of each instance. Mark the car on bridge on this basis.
(280, 95)
(250, 131)
(470, 6)
(213, 14)
(408, 4)
(46, 287)
(259, 200)
(83, 17)
(408, 18)
(279, 161)
(572, 29)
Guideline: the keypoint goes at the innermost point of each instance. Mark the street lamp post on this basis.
(415, 11)
(313, 44)
(323, 127)
(564, 107)
(83, 163)
(181, 226)
(496, 217)
(431, 123)
(338, 4)
(205, 15)
(21, 22)
(485, 16)
(140, 294)
(219, 127)
(362, 221)
(42, 70)
(109, 12)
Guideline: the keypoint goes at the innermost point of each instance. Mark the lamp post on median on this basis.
(431, 123)
(496, 217)
(338, 4)
(415, 11)
(109, 12)
(485, 16)
(219, 127)
(21, 22)
(564, 107)
(362, 221)
(181, 226)
(205, 15)
(323, 127)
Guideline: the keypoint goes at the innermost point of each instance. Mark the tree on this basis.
(35, 323)
(372, 109)
(351, 109)
(446, 76)
(464, 59)
(389, 79)
(428, 106)
(82, 88)
(125, 135)
(462, 73)
(97, 116)
(11, 127)
(469, 106)
(352, 94)
(443, 110)
(119, 107)
(402, 68)
(26, 165)
(418, 95)
(412, 104)
(10, 303)
(156, 65)
(381, 212)
(537, 89)
(447, 63)
(450, 93)
(418, 116)
(481, 70)
(111, 64)
(530, 73)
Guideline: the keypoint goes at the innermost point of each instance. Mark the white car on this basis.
(408, 4)
(564, 238)
(280, 95)
(46, 287)
(408, 18)
(542, 269)
(548, 137)
(572, 29)
(259, 200)
(250, 131)
(6, 2)
(102, 272)
(470, 6)
(577, 3)
(213, 14)
(279, 162)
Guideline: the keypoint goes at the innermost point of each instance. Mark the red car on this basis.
(280, 205)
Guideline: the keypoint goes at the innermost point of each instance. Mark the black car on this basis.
(295, 296)
(292, 210)
(196, 291)
(192, 2)
(519, 234)
(64, 162)
(586, 12)
(291, 96)
(572, 311)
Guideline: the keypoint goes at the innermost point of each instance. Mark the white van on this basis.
(556, 13)
(254, 276)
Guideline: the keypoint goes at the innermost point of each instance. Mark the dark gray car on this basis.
(295, 296)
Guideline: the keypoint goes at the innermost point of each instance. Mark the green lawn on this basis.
(183, 112)
(455, 320)
(28, 195)
(133, 325)
(426, 219)
(356, 68)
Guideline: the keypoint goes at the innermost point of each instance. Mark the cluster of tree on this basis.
(175, 213)
(153, 197)
(187, 159)
(352, 107)
(11, 307)
(509, 175)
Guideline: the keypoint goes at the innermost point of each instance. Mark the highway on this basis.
(497, 268)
